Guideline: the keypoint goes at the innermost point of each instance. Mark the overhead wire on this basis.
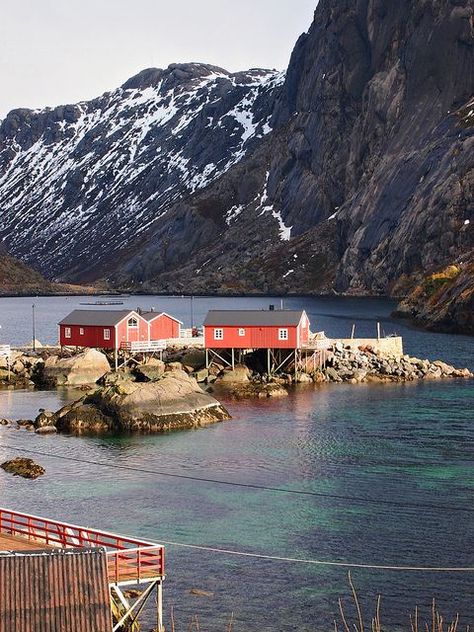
(261, 556)
(255, 486)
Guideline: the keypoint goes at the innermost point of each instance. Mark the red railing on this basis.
(128, 560)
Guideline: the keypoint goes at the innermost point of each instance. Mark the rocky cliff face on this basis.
(443, 300)
(352, 175)
(367, 176)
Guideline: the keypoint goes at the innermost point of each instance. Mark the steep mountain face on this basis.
(354, 172)
(443, 300)
(79, 182)
(369, 169)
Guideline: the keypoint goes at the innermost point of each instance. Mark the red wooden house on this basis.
(111, 329)
(256, 329)
(162, 325)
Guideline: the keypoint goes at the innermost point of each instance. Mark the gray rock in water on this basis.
(43, 430)
(24, 467)
(173, 402)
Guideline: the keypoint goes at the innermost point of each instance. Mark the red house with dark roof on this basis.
(162, 325)
(256, 329)
(112, 329)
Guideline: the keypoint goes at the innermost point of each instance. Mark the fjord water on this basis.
(391, 467)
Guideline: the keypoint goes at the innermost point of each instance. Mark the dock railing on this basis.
(145, 346)
(129, 560)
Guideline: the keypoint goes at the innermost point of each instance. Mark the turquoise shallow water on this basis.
(394, 464)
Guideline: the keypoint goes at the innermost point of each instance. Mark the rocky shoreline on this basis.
(177, 392)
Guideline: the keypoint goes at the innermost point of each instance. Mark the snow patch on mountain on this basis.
(81, 181)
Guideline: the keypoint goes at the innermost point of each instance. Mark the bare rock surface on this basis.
(83, 368)
(21, 466)
(173, 402)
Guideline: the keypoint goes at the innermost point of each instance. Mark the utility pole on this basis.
(192, 312)
(34, 327)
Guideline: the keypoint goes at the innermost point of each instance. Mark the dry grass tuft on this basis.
(437, 623)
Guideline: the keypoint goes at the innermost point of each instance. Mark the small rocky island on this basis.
(171, 401)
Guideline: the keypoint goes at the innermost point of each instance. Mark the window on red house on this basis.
(67, 332)
(106, 334)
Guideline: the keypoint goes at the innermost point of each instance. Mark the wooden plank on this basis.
(17, 543)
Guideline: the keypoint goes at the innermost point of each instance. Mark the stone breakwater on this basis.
(364, 365)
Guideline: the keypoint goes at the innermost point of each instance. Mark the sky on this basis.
(55, 52)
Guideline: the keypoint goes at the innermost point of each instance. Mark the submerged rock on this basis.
(199, 592)
(24, 467)
(257, 389)
(44, 430)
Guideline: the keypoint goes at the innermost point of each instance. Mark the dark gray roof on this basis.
(253, 317)
(99, 317)
(151, 315)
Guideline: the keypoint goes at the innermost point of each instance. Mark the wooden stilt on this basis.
(233, 358)
(159, 608)
(116, 359)
(269, 363)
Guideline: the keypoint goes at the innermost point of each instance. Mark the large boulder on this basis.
(239, 374)
(173, 402)
(82, 368)
(149, 372)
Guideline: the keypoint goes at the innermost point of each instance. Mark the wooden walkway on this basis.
(17, 543)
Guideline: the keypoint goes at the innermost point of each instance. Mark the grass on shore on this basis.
(437, 623)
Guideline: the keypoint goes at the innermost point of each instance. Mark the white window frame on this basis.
(106, 334)
(81, 331)
(67, 332)
(283, 334)
(132, 319)
(218, 333)
(241, 331)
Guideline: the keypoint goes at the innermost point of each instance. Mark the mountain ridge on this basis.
(351, 172)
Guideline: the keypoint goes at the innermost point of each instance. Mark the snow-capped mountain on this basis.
(79, 183)
(353, 171)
